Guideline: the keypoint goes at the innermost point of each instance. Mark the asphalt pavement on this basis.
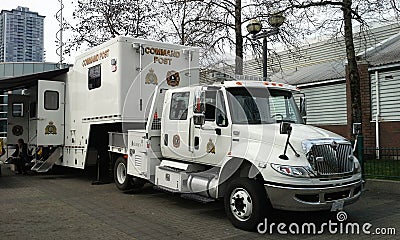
(68, 206)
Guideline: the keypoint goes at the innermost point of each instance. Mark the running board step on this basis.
(45, 166)
(165, 189)
(197, 198)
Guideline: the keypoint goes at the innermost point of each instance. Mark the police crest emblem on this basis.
(151, 77)
(50, 129)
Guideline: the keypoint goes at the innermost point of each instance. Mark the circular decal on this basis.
(176, 141)
(173, 78)
(17, 130)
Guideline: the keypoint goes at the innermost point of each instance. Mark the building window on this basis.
(18, 109)
(94, 77)
(51, 100)
(179, 106)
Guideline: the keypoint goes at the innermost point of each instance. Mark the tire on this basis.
(122, 180)
(246, 203)
(121, 177)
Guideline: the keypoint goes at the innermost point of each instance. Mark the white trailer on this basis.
(136, 107)
(109, 88)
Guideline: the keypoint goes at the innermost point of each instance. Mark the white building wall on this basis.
(326, 105)
(389, 97)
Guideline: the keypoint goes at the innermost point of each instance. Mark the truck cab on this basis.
(244, 142)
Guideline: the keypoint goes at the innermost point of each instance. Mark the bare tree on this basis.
(218, 23)
(336, 17)
(100, 20)
(184, 24)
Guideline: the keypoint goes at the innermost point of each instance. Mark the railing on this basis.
(117, 139)
(382, 163)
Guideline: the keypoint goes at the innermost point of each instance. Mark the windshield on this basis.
(262, 106)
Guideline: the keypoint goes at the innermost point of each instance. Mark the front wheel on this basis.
(245, 203)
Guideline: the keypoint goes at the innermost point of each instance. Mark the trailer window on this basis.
(18, 109)
(94, 77)
(179, 106)
(51, 101)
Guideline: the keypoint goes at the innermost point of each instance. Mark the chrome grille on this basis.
(330, 160)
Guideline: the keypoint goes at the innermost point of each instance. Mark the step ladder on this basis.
(45, 166)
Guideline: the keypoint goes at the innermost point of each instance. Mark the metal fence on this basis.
(381, 163)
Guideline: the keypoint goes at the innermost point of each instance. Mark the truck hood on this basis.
(302, 136)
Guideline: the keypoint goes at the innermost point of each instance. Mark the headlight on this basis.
(357, 167)
(292, 171)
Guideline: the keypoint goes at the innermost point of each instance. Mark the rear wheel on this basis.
(245, 203)
(123, 181)
(121, 177)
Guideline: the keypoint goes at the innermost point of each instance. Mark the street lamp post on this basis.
(254, 27)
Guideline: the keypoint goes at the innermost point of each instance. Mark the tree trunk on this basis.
(354, 77)
(239, 38)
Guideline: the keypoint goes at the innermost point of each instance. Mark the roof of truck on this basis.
(259, 84)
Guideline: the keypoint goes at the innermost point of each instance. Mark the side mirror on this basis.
(285, 128)
(199, 119)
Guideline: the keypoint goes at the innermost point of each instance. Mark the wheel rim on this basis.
(241, 204)
(121, 173)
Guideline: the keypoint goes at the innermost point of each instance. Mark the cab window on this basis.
(210, 105)
(179, 106)
(221, 117)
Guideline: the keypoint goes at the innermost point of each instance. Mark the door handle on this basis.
(218, 131)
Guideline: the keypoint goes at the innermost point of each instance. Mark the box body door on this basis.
(17, 118)
(50, 115)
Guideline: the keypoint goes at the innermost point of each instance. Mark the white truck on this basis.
(138, 106)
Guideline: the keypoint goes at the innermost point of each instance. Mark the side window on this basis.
(18, 109)
(199, 102)
(51, 100)
(210, 105)
(94, 77)
(179, 106)
(221, 117)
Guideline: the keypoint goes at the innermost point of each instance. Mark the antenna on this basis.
(59, 35)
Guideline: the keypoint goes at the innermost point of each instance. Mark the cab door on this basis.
(212, 140)
(50, 113)
(176, 133)
(17, 118)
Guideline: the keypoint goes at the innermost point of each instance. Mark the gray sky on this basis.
(49, 9)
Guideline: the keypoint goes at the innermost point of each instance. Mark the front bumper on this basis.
(311, 197)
